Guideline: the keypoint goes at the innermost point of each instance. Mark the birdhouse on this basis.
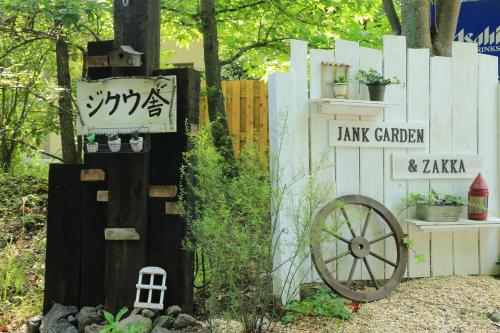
(478, 200)
(125, 56)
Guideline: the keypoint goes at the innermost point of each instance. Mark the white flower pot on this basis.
(137, 145)
(115, 145)
(340, 90)
(92, 147)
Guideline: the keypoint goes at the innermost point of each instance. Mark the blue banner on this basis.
(479, 22)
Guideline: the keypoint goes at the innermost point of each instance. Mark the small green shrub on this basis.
(113, 323)
(372, 77)
(325, 303)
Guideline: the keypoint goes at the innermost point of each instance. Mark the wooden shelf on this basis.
(460, 225)
(348, 107)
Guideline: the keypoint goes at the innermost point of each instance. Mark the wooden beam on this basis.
(162, 191)
(172, 208)
(102, 196)
(92, 175)
(121, 234)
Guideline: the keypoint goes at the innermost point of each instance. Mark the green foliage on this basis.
(419, 257)
(340, 79)
(135, 135)
(372, 77)
(90, 138)
(113, 323)
(325, 303)
(433, 198)
(22, 246)
(262, 28)
(112, 136)
(231, 222)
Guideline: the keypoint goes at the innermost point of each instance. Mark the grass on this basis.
(23, 200)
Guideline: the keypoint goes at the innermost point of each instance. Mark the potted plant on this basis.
(92, 145)
(434, 207)
(114, 142)
(340, 85)
(136, 142)
(375, 82)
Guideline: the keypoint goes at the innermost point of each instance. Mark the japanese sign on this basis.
(370, 134)
(127, 103)
(435, 166)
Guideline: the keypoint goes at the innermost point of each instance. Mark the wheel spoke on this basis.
(348, 222)
(349, 281)
(365, 227)
(336, 236)
(382, 237)
(368, 268)
(383, 259)
(337, 257)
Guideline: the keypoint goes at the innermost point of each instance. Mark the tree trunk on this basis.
(416, 23)
(444, 33)
(65, 102)
(216, 114)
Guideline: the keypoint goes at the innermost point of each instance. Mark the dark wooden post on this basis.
(137, 23)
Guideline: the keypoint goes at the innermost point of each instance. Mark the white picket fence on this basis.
(458, 97)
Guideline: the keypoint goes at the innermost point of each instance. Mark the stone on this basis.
(164, 321)
(173, 310)
(55, 320)
(33, 324)
(87, 316)
(494, 316)
(160, 330)
(94, 328)
(184, 320)
(72, 319)
(143, 324)
(147, 313)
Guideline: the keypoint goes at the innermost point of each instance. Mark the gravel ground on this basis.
(452, 304)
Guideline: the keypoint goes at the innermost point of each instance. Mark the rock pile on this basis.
(88, 319)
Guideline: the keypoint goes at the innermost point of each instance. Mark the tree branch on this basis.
(242, 51)
(392, 16)
(235, 9)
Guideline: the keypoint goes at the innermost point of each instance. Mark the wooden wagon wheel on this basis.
(359, 247)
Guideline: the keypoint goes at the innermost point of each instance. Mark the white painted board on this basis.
(370, 134)
(436, 166)
(124, 105)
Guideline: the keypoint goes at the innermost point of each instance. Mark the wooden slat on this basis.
(102, 196)
(249, 110)
(121, 234)
(92, 175)
(162, 191)
(235, 120)
(264, 119)
(171, 208)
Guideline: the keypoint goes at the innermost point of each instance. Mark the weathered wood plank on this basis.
(162, 191)
(62, 262)
(372, 163)
(441, 254)
(347, 158)
(464, 120)
(488, 124)
(102, 196)
(121, 234)
(249, 103)
(394, 65)
(172, 208)
(92, 175)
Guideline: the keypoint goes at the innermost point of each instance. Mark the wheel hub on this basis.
(360, 247)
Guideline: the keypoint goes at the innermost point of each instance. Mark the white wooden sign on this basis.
(370, 134)
(126, 104)
(435, 166)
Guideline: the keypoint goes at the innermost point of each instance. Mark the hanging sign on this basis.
(370, 134)
(126, 104)
(435, 166)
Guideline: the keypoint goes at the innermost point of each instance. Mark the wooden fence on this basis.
(246, 111)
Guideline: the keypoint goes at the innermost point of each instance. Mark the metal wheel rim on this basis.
(397, 233)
